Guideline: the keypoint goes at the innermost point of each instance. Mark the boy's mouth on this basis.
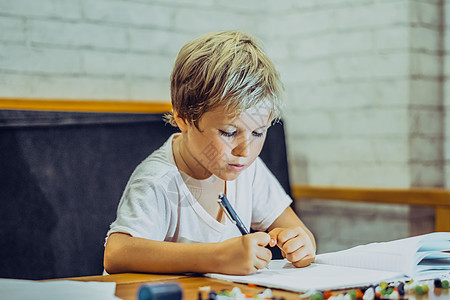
(237, 167)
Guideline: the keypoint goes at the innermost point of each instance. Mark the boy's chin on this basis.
(229, 176)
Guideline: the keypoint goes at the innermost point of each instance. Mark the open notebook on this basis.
(419, 257)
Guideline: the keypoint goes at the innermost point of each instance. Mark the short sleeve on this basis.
(142, 211)
(269, 197)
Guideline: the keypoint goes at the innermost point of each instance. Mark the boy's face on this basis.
(225, 145)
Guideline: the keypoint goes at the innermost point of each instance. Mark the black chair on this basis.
(61, 178)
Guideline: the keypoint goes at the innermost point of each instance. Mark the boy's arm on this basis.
(294, 239)
(240, 255)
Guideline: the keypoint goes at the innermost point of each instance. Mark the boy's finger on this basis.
(264, 254)
(260, 264)
(293, 245)
(262, 238)
(304, 262)
(288, 234)
(274, 236)
(272, 242)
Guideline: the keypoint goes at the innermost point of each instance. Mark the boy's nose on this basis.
(242, 149)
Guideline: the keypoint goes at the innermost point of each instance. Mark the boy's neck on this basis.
(213, 209)
(186, 162)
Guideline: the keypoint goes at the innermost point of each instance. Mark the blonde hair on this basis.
(225, 68)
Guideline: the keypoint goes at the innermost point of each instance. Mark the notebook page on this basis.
(395, 256)
(283, 275)
(436, 241)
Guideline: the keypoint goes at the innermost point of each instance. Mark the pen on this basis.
(232, 215)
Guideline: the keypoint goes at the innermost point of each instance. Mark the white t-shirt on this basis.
(158, 205)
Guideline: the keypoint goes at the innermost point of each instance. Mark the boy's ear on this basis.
(181, 123)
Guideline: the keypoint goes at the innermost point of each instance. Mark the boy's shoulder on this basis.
(158, 166)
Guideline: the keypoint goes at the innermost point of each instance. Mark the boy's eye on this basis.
(257, 134)
(227, 134)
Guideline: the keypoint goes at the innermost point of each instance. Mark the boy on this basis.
(225, 94)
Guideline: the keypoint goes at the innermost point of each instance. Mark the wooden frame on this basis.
(86, 105)
(438, 198)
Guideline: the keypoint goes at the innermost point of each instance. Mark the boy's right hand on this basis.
(244, 254)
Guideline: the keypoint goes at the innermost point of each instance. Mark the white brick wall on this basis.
(446, 92)
(103, 49)
(365, 104)
(31, 59)
(68, 34)
(133, 13)
(12, 29)
(426, 114)
(58, 9)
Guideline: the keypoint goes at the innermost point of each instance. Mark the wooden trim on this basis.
(429, 197)
(439, 198)
(86, 105)
(442, 218)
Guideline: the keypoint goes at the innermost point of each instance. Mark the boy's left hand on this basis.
(295, 244)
